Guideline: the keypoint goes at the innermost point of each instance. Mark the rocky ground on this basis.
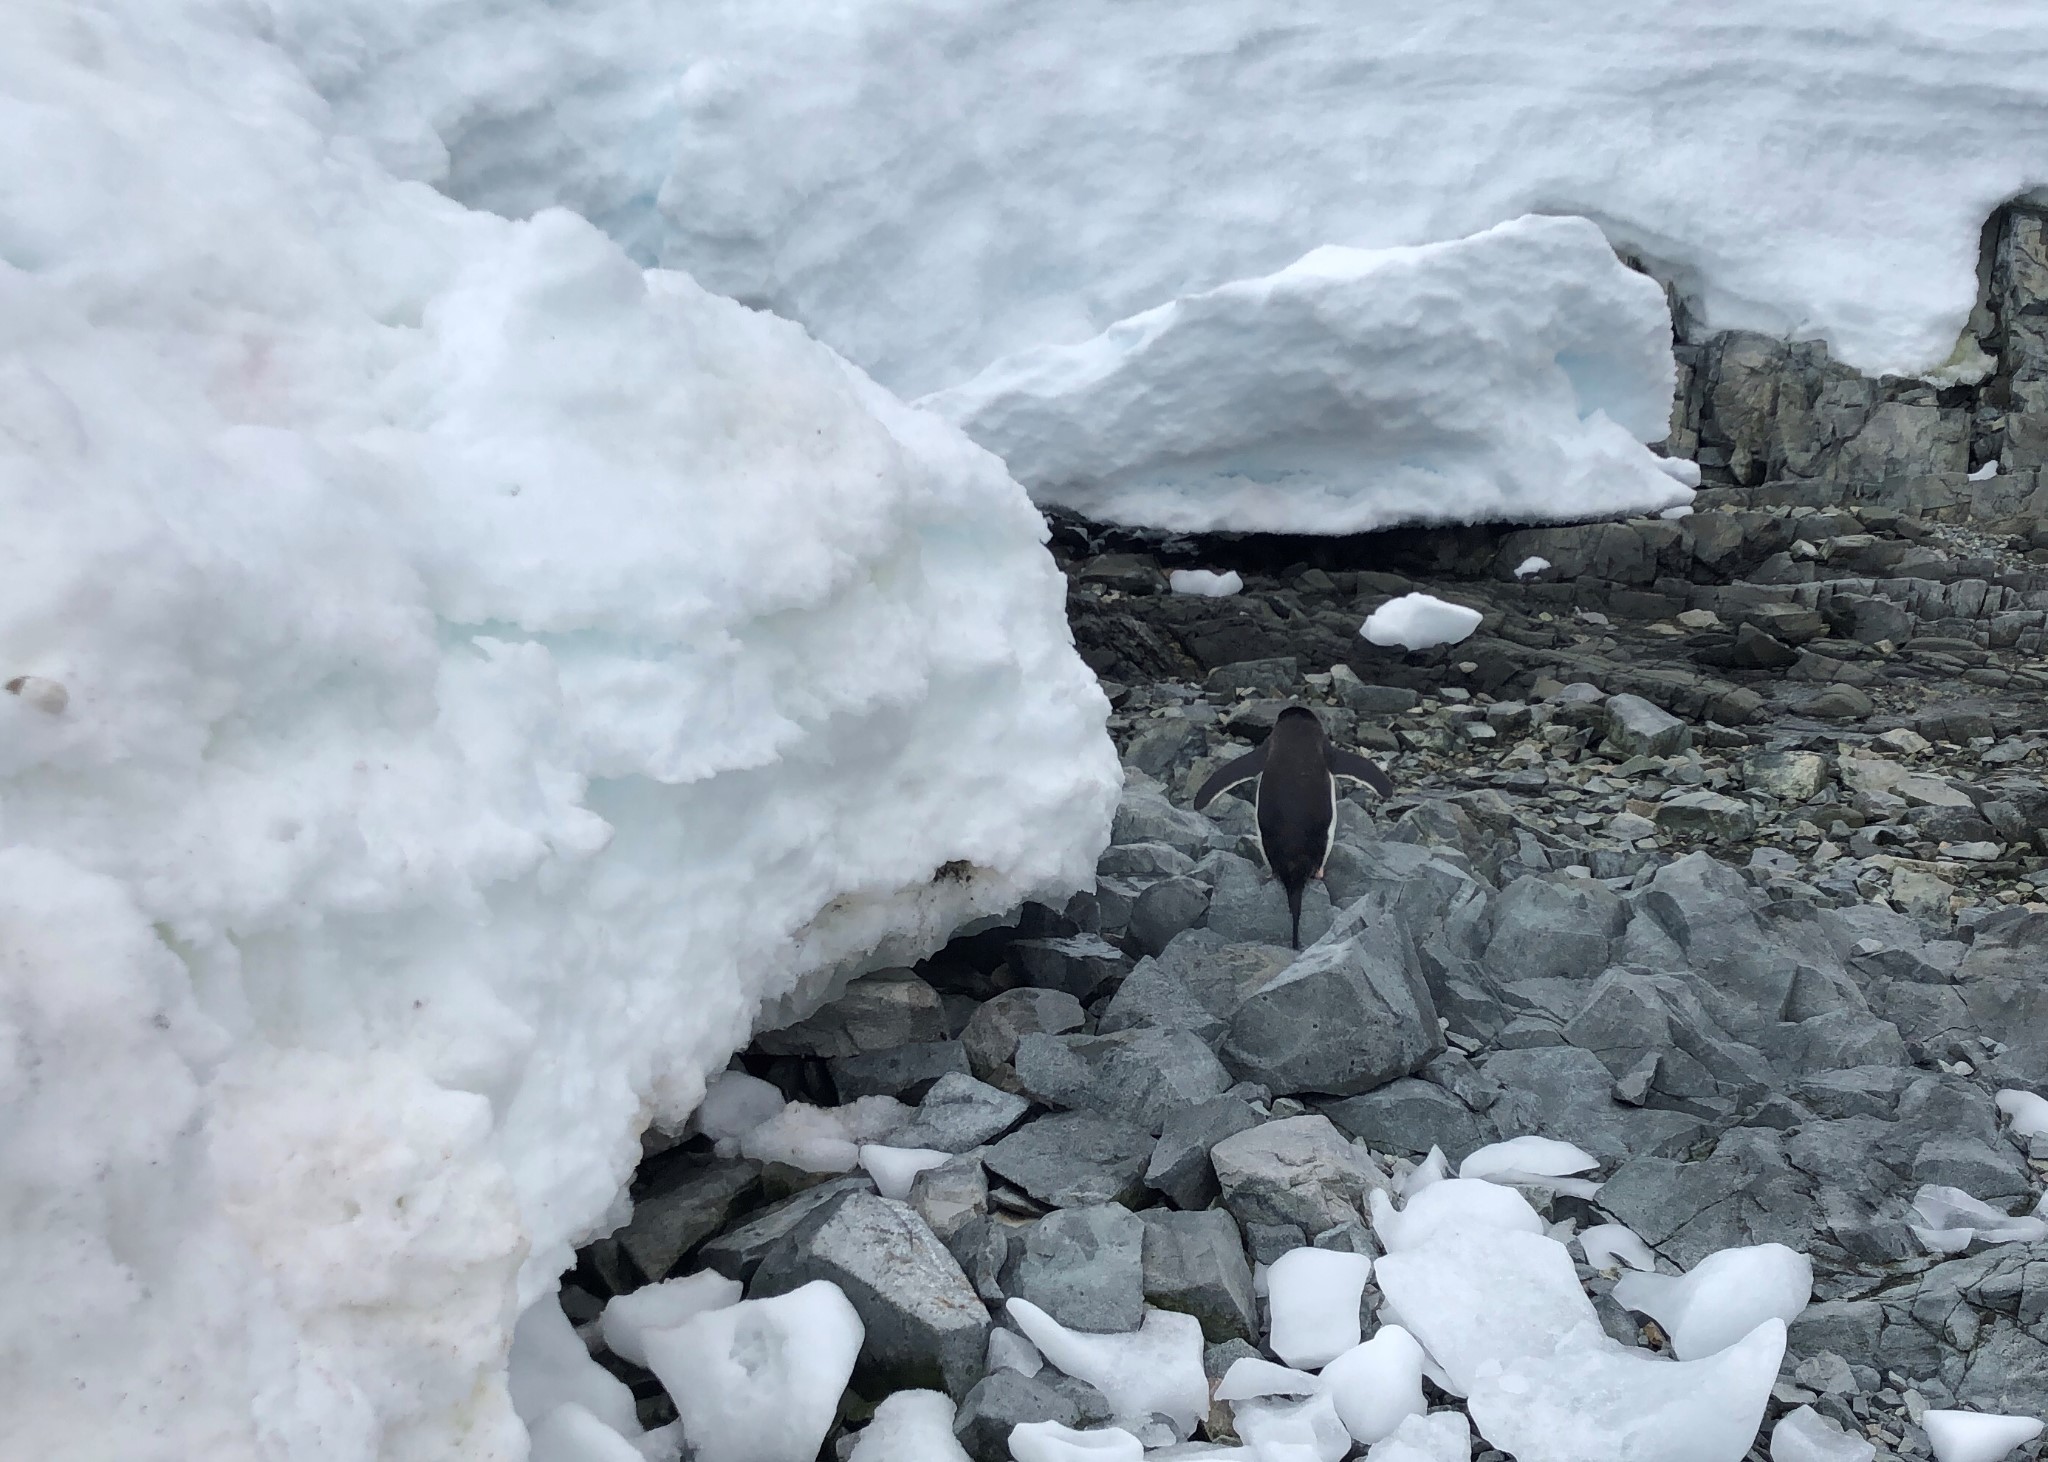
(1733, 879)
(1720, 849)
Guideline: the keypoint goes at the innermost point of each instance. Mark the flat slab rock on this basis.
(1074, 1158)
(1299, 1171)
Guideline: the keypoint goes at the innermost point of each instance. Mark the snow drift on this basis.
(933, 187)
(1514, 374)
(490, 671)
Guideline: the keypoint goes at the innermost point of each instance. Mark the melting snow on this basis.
(1419, 622)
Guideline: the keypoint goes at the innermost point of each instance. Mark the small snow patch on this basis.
(1206, 583)
(1420, 622)
(1531, 565)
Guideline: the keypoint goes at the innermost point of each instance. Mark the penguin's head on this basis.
(1298, 724)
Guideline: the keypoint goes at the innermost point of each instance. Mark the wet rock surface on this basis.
(1720, 849)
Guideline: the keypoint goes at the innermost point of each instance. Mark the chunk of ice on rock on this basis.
(895, 1168)
(1531, 565)
(1314, 1295)
(628, 1318)
(1527, 1160)
(1009, 1351)
(570, 1433)
(2027, 1111)
(1419, 622)
(1594, 1398)
(1975, 1436)
(1804, 1435)
(760, 1381)
(1432, 1169)
(910, 1426)
(1157, 1367)
(735, 1104)
(824, 1139)
(1724, 1297)
(1307, 1429)
(1606, 1243)
(1205, 582)
(1480, 1297)
(1441, 1436)
(1048, 1441)
(1250, 1377)
(1450, 1205)
(1377, 1385)
(1951, 1219)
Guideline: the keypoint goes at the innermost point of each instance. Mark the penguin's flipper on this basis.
(1242, 770)
(1359, 769)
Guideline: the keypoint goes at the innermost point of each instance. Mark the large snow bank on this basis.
(933, 187)
(491, 671)
(1514, 374)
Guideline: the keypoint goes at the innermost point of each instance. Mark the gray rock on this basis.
(1345, 1017)
(1707, 815)
(1629, 1014)
(1746, 1192)
(1639, 728)
(1194, 1263)
(1371, 700)
(1218, 1359)
(991, 1034)
(1279, 676)
(1143, 860)
(1145, 816)
(960, 1113)
(1180, 1166)
(951, 1195)
(1789, 776)
(1298, 1171)
(1567, 1093)
(1138, 1076)
(1268, 1241)
(1074, 1158)
(1555, 924)
(1082, 965)
(904, 1072)
(1164, 910)
(694, 1202)
(738, 1252)
(1994, 1173)
(876, 1012)
(1705, 910)
(1002, 1401)
(981, 1247)
(1084, 1266)
(1248, 907)
(1409, 1116)
(925, 1325)
(1196, 983)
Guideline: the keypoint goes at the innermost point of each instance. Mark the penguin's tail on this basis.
(1294, 909)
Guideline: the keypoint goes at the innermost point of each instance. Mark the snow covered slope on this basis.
(1515, 374)
(490, 671)
(931, 187)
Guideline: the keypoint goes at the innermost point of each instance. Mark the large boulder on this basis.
(1347, 1016)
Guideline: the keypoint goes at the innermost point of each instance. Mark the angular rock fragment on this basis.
(875, 1012)
(1195, 1263)
(926, 1327)
(1345, 1017)
(1139, 1076)
(1180, 1166)
(1084, 1266)
(1298, 1171)
(992, 1032)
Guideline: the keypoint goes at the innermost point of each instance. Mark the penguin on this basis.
(1297, 768)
